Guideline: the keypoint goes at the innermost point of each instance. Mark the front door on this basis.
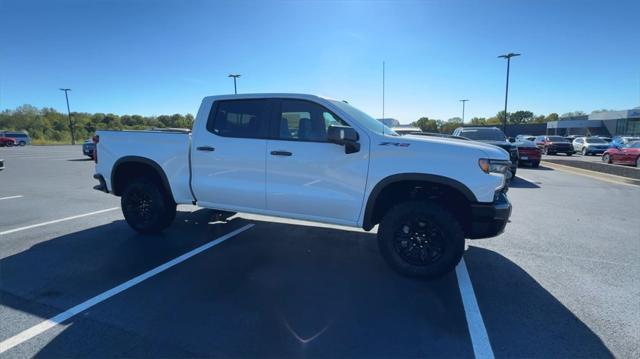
(308, 177)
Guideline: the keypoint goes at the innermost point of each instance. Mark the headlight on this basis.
(494, 166)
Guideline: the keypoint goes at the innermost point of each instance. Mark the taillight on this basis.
(95, 139)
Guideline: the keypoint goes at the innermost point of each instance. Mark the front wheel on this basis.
(420, 239)
(606, 158)
(146, 206)
(22, 143)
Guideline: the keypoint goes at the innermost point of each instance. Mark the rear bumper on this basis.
(489, 219)
(102, 187)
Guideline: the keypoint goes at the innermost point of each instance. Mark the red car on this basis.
(628, 154)
(528, 153)
(6, 141)
(551, 145)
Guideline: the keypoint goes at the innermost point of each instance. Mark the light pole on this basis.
(235, 87)
(463, 102)
(506, 92)
(71, 127)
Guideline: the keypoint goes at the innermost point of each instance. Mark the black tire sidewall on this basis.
(163, 208)
(454, 238)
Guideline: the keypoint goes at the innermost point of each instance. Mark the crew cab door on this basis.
(308, 177)
(228, 155)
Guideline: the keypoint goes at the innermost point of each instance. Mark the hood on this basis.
(484, 150)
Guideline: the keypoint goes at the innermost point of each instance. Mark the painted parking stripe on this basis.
(58, 319)
(10, 197)
(57, 221)
(477, 331)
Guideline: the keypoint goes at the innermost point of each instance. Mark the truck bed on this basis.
(169, 148)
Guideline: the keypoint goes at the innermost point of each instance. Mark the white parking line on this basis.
(10, 197)
(477, 331)
(56, 221)
(58, 319)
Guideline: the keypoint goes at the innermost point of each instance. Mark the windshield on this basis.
(484, 134)
(635, 144)
(595, 140)
(365, 120)
(557, 139)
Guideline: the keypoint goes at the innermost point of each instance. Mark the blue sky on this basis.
(162, 57)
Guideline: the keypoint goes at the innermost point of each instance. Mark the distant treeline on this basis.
(47, 125)
(518, 117)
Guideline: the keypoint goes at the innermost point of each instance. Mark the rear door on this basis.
(228, 155)
(308, 177)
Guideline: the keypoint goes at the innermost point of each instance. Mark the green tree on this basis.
(426, 124)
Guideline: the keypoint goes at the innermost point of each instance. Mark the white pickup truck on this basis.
(312, 158)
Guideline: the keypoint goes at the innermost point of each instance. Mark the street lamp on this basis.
(506, 93)
(463, 102)
(71, 127)
(235, 88)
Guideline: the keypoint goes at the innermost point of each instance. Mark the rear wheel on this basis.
(535, 164)
(569, 153)
(584, 151)
(22, 143)
(606, 158)
(420, 239)
(638, 162)
(146, 206)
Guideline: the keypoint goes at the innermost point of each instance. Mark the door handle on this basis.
(281, 153)
(205, 148)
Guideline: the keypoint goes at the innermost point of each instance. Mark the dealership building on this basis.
(607, 123)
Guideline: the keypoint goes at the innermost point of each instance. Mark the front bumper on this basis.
(489, 219)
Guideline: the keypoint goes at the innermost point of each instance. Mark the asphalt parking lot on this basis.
(562, 281)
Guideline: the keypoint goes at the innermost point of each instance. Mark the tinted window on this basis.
(240, 118)
(486, 134)
(556, 139)
(305, 121)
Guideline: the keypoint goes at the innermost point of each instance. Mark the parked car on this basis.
(7, 142)
(22, 138)
(520, 138)
(628, 154)
(620, 141)
(551, 145)
(571, 138)
(608, 139)
(590, 145)
(493, 136)
(87, 148)
(259, 154)
(528, 153)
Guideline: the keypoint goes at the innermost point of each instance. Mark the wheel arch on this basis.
(376, 205)
(128, 166)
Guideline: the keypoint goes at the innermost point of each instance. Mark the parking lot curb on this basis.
(594, 174)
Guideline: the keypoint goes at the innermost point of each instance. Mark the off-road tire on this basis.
(146, 206)
(440, 230)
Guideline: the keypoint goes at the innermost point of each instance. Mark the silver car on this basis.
(590, 145)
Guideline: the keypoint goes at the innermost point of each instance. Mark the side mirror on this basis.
(344, 136)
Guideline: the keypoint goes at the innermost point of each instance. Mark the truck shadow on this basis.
(518, 182)
(276, 290)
